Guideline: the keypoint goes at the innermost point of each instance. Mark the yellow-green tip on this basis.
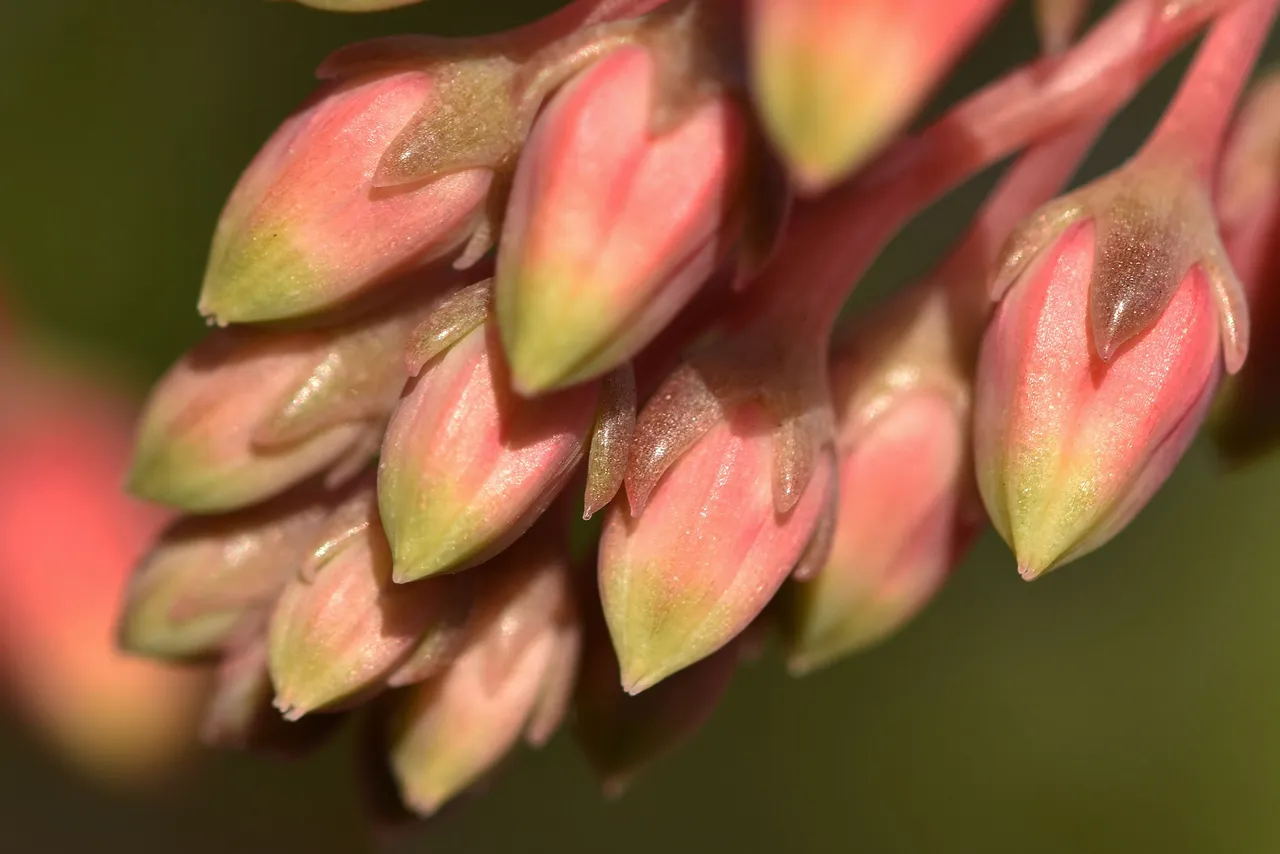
(552, 341)
(169, 471)
(259, 277)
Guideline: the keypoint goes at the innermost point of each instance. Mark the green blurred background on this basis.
(1128, 703)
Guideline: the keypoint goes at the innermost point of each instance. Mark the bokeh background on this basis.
(1128, 703)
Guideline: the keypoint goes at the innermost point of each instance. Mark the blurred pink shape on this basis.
(68, 539)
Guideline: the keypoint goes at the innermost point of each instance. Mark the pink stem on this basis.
(1037, 177)
(832, 241)
(1195, 123)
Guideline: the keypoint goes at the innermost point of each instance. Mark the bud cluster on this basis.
(597, 262)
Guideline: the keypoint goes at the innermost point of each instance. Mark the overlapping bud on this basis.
(467, 464)
(512, 675)
(906, 508)
(341, 628)
(402, 157)
(209, 581)
(310, 226)
(902, 382)
(250, 412)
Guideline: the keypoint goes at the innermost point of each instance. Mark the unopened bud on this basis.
(587, 278)
(250, 412)
(209, 579)
(709, 550)
(1072, 435)
(523, 636)
(341, 627)
(467, 464)
(307, 227)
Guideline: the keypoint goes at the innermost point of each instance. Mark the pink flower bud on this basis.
(308, 228)
(509, 677)
(897, 532)
(613, 223)
(835, 79)
(467, 464)
(709, 551)
(1097, 370)
(1069, 447)
(67, 540)
(341, 626)
(209, 580)
(249, 412)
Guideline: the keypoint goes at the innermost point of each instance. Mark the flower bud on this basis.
(1247, 416)
(587, 278)
(523, 638)
(341, 627)
(67, 540)
(1070, 445)
(208, 579)
(711, 547)
(467, 464)
(897, 528)
(240, 716)
(249, 412)
(620, 734)
(307, 227)
(836, 80)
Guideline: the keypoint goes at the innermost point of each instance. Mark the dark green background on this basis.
(1128, 703)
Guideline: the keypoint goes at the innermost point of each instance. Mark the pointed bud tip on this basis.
(412, 565)
(166, 470)
(539, 364)
(1035, 563)
(288, 709)
(637, 678)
